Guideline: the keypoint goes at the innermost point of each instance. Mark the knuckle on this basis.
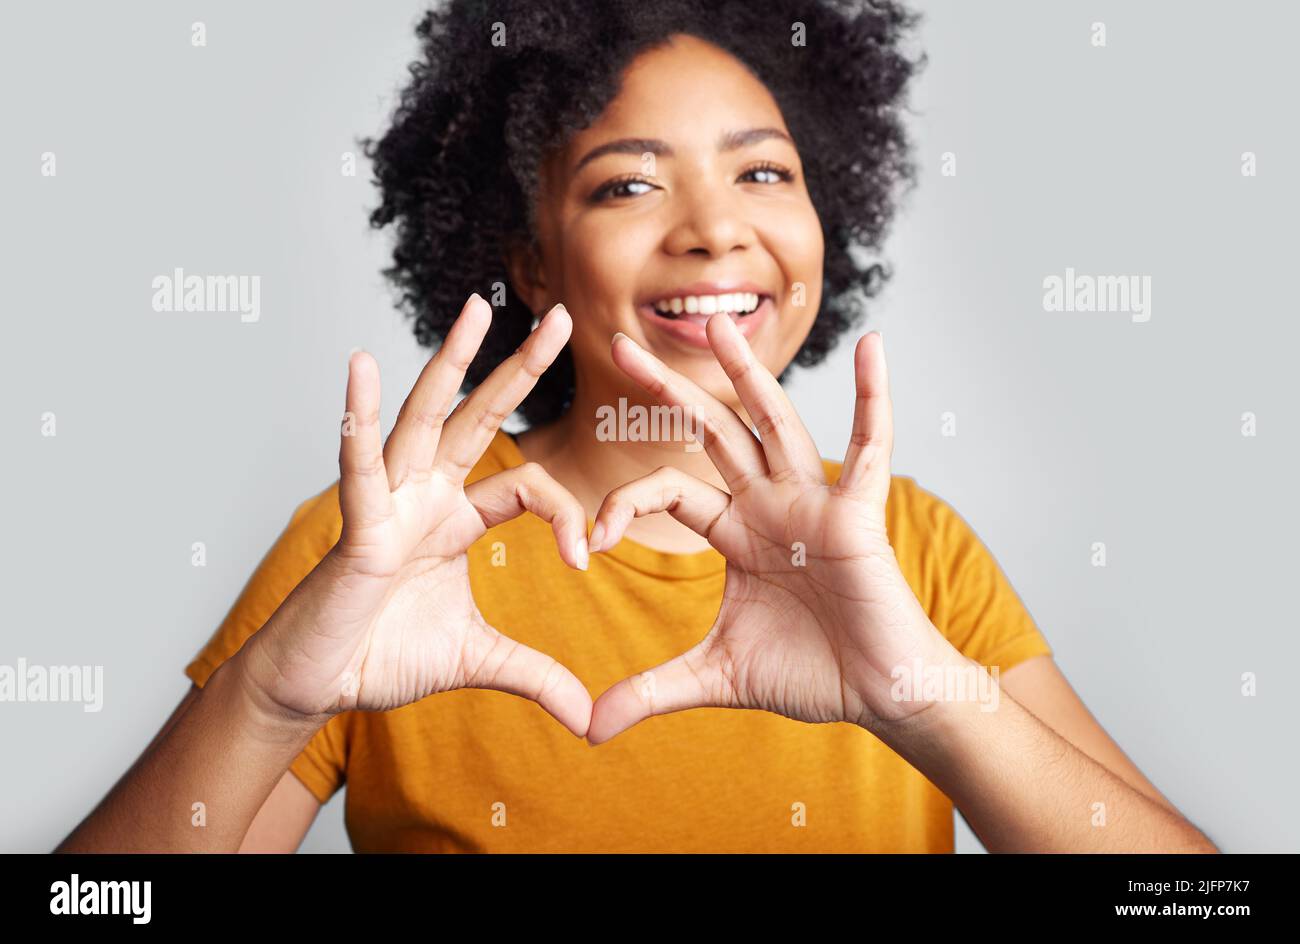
(459, 362)
(744, 481)
(551, 680)
(535, 366)
(737, 368)
(491, 417)
(769, 423)
(362, 465)
(429, 419)
(782, 476)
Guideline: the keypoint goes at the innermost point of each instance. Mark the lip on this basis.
(692, 333)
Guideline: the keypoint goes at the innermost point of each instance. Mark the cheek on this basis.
(600, 264)
(799, 251)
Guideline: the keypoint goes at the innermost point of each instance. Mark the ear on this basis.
(527, 277)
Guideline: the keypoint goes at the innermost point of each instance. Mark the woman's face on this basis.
(686, 197)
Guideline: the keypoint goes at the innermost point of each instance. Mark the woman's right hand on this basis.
(387, 617)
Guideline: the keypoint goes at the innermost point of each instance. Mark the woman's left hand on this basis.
(816, 614)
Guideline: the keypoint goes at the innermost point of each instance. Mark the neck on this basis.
(590, 467)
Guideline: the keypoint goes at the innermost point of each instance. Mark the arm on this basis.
(386, 618)
(285, 817)
(1038, 686)
(282, 822)
(834, 632)
(1024, 788)
(151, 807)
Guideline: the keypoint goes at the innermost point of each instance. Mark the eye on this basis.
(767, 173)
(629, 186)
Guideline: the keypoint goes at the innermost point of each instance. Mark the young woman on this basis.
(682, 195)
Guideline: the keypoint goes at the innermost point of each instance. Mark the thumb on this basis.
(496, 662)
(689, 681)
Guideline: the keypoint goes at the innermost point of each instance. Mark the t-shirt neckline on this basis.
(706, 563)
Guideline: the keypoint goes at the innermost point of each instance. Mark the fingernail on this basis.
(597, 533)
(620, 334)
(580, 551)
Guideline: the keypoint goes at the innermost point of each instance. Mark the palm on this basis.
(415, 644)
(801, 559)
(815, 611)
(404, 661)
(388, 617)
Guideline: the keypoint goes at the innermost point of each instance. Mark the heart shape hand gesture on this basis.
(816, 613)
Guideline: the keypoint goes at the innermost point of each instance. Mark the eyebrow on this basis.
(730, 141)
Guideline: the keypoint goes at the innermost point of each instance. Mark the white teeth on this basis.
(736, 302)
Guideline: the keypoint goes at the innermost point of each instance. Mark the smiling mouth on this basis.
(700, 307)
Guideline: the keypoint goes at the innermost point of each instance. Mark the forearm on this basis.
(1024, 788)
(227, 751)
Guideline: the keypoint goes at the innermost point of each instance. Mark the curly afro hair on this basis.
(458, 168)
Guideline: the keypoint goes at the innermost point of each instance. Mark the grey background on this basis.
(1072, 428)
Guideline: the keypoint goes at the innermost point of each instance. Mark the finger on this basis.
(693, 502)
(730, 444)
(866, 462)
(499, 663)
(786, 442)
(688, 681)
(414, 440)
(364, 498)
(470, 428)
(529, 487)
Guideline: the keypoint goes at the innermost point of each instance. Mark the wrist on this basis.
(260, 714)
(936, 693)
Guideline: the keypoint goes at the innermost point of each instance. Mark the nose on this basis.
(710, 222)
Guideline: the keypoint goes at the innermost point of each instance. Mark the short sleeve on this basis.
(313, 529)
(978, 610)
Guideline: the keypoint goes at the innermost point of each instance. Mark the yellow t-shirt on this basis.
(476, 770)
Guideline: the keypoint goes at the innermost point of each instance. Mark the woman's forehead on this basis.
(685, 90)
